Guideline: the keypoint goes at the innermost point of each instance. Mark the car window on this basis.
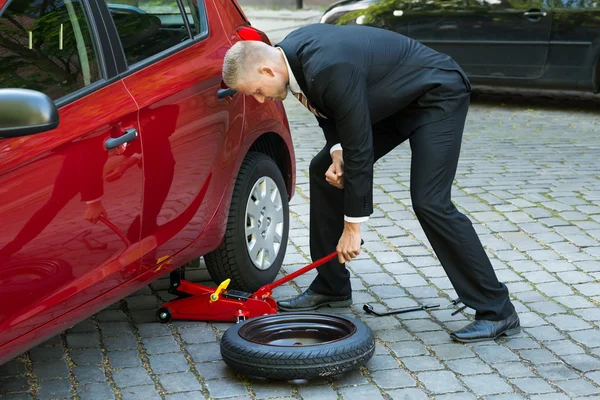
(149, 27)
(46, 46)
(193, 12)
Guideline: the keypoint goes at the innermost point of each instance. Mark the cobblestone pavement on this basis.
(529, 180)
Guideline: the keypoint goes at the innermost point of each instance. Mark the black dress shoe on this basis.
(481, 330)
(310, 300)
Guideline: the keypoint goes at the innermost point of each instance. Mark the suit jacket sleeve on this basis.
(329, 129)
(343, 89)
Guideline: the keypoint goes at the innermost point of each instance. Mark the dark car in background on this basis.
(552, 44)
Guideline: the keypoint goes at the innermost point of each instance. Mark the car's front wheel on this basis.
(257, 228)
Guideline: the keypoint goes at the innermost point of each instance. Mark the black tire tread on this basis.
(221, 263)
(306, 364)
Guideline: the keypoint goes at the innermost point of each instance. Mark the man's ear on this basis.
(267, 70)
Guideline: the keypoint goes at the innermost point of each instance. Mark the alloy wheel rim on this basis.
(264, 223)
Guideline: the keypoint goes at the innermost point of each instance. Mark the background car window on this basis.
(193, 13)
(46, 46)
(147, 27)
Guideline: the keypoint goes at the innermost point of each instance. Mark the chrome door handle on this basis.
(535, 14)
(129, 135)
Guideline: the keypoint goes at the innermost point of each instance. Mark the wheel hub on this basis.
(264, 223)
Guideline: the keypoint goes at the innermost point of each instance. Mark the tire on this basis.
(259, 347)
(233, 259)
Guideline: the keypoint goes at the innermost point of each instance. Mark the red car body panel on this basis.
(167, 208)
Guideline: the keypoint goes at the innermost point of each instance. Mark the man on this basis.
(371, 90)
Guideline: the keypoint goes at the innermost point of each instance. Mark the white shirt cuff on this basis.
(335, 147)
(355, 220)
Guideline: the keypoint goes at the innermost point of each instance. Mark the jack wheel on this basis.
(163, 315)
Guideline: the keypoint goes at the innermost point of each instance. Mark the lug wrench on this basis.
(369, 310)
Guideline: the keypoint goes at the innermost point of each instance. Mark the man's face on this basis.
(264, 85)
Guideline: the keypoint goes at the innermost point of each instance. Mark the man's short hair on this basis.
(239, 59)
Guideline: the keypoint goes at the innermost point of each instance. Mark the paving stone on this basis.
(57, 388)
(388, 291)
(167, 363)
(352, 378)
(408, 394)
(129, 377)
(574, 301)
(440, 382)
(83, 340)
(484, 385)
(13, 385)
(588, 314)
(513, 370)
(153, 330)
(469, 366)
(96, 391)
(522, 344)
(582, 362)
(545, 333)
(508, 396)
(495, 354)
(553, 289)
(394, 335)
(547, 308)
(317, 392)
(539, 356)
(423, 363)
(437, 337)
(421, 325)
(146, 392)
(124, 359)
(377, 363)
(41, 354)
(568, 323)
(51, 370)
(361, 392)
(452, 351)
(269, 390)
(160, 345)
(456, 396)
(179, 382)
(12, 368)
(552, 396)
(406, 349)
(556, 372)
(594, 376)
(589, 338)
(89, 374)
(112, 316)
(187, 396)
(110, 329)
(532, 385)
(126, 342)
(214, 370)
(578, 387)
(225, 388)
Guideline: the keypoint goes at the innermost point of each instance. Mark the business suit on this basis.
(377, 89)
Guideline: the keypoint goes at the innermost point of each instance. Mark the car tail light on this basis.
(250, 33)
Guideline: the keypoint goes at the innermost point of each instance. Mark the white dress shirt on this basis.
(295, 88)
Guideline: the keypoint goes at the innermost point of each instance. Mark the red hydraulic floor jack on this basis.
(203, 303)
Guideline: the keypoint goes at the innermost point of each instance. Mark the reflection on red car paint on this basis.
(83, 226)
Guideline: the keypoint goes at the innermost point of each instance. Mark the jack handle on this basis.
(267, 290)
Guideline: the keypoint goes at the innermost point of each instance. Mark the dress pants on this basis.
(435, 151)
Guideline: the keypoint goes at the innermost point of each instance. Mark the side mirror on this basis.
(25, 112)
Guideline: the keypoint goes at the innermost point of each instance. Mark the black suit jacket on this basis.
(358, 76)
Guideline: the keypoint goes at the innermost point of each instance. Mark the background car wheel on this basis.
(297, 345)
(257, 228)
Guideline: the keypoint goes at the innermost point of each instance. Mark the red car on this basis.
(124, 157)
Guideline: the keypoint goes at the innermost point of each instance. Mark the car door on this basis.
(66, 199)
(172, 67)
(574, 53)
(503, 38)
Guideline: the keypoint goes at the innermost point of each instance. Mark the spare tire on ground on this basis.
(297, 345)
